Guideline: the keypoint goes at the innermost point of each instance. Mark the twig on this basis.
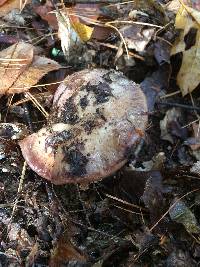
(178, 105)
(18, 194)
(37, 104)
(171, 94)
(130, 211)
(125, 202)
(135, 22)
(190, 123)
(115, 47)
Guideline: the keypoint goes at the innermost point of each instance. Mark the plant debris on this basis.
(68, 70)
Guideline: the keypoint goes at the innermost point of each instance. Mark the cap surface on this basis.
(97, 116)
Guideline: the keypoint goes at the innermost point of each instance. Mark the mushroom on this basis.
(98, 116)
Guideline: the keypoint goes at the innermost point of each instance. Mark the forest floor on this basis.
(147, 213)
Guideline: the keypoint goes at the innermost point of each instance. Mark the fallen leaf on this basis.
(136, 36)
(2, 2)
(13, 61)
(44, 11)
(63, 252)
(101, 33)
(81, 16)
(170, 125)
(180, 213)
(74, 25)
(20, 69)
(173, 6)
(15, 17)
(39, 67)
(194, 141)
(153, 85)
(84, 31)
(162, 52)
(85, 13)
(195, 169)
(7, 5)
(188, 77)
(69, 38)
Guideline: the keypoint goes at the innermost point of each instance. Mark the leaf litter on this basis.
(146, 214)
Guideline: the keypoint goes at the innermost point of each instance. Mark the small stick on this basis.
(178, 105)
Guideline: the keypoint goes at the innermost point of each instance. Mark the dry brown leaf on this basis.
(13, 62)
(7, 6)
(39, 67)
(65, 251)
(44, 11)
(20, 69)
(2, 2)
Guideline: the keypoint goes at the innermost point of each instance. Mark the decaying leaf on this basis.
(63, 252)
(187, 20)
(196, 168)
(7, 6)
(44, 11)
(2, 2)
(180, 213)
(170, 125)
(20, 68)
(155, 84)
(136, 36)
(194, 141)
(189, 75)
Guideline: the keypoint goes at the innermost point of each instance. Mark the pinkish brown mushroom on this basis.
(98, 116)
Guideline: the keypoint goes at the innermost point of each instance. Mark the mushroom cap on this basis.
(97, 117)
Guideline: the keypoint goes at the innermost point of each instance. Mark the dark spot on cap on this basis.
(100, 114)
(84, 102)
(89, 126)
(107, 78)
(69, 112)
(102, 91)
(76, 160)
(58, 138)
